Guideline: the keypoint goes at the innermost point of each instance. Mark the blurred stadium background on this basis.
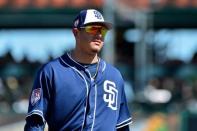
(153, 43)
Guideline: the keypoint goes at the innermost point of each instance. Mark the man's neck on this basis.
(84, 57)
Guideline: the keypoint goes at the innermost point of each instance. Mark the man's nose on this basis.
(99, 33)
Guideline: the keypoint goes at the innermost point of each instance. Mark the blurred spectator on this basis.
(79, 3)
(143, 4)
(2, 90)
(20, 106)
(168, 83)
(154, 83)
(174, 86)
(3, 3)
(157, 122)
(186, 93)
(40, 3)
(154, 94)
(191, 102)
(20, 4)
(194, 3)
(194, 91)
(182, 3)
(194, 58)
(59, 3)
(96, 3)
(173, 64)
(162, 3)
(12, 88)
(173, 121)
(2, 95)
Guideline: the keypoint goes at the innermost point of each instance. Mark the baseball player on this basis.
(79, 91)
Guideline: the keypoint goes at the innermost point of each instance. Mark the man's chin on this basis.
(96, 50)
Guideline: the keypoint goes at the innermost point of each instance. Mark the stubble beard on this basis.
(95, 51)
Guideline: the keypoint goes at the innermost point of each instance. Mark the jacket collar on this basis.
(68, 59)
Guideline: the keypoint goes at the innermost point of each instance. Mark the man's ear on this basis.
(75, 31)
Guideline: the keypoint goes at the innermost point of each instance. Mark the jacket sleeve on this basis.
(125, 128)
(38, 103)
(34, 123)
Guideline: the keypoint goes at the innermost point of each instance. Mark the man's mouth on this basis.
(99, 41)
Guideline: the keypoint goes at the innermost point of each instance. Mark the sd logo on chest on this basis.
(110, 94)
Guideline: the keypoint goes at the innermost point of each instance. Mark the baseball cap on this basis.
(90, 16)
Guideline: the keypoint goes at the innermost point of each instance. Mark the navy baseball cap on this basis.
(90, 16)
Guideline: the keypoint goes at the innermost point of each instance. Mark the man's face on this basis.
(91, 38)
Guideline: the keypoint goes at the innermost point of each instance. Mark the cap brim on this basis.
(106, 24)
